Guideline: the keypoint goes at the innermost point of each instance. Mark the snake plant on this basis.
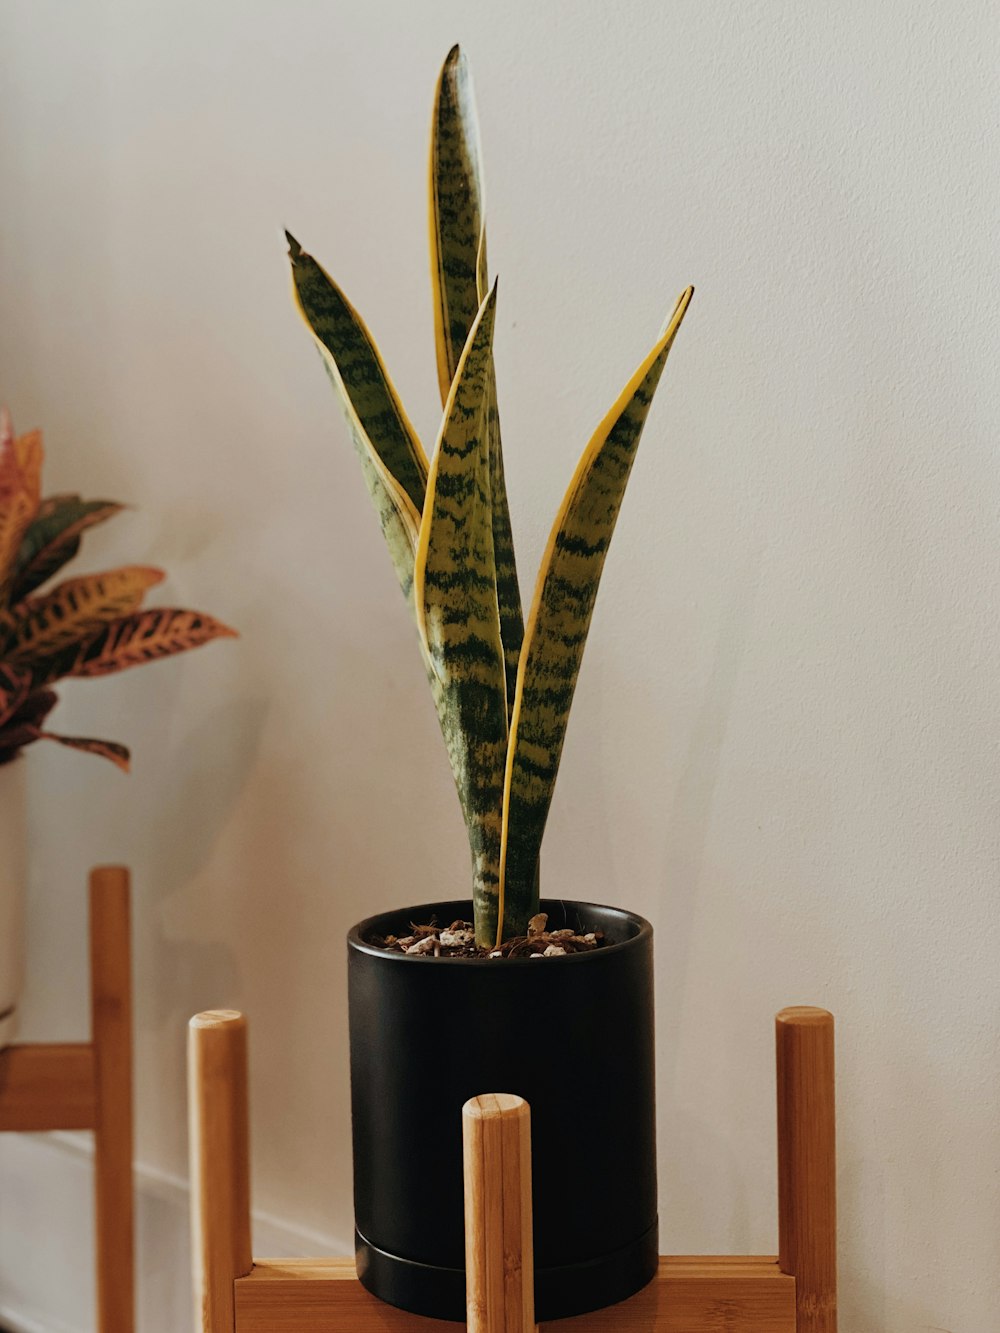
(502, 690)
(83, 627)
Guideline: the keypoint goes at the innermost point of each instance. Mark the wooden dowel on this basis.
(499, 1260)
(48, 1086)
(807, 1178)
(220, 1164)
(111, 1016)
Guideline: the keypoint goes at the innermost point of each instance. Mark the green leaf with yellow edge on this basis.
(557, 627)
(392, 457)
(53, 538)
(144, 636)
(459, 278)
(76, 608)
(455, 599)
(457, 224)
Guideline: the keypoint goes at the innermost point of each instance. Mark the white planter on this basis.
(13, 873)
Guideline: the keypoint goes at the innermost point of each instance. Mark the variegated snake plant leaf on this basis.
(502, 694)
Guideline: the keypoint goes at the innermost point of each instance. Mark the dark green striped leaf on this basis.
(455, 598)
(557, 627)
(458, 235)
(459, 277)
(392, 458)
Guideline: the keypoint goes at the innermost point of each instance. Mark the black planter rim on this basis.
(641, 931)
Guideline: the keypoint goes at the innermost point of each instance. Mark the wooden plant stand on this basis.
(88, 1085)
(794, 1292)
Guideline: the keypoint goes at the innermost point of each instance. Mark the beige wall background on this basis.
(785, 741)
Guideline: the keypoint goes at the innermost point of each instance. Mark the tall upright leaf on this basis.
(558, 624)
(455, 598)
(459, 279)
(392, 457)
(457, 222)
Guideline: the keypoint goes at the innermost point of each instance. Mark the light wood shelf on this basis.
(792, 1292)
(88, 1085)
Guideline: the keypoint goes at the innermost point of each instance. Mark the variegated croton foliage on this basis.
(502, 691)
(92, 625)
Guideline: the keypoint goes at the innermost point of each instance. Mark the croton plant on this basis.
(502, 690)
(92, 625)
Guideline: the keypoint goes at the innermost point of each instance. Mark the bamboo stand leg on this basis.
(807, 1207)
(499, 1261)
(111, 990)
(220, 1165)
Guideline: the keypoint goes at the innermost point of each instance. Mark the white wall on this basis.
(786, 741)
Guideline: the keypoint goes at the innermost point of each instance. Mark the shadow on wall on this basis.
(687, 831)
(182, 828)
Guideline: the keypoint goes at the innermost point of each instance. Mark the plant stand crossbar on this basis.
(88, 1085)
(793, 1292)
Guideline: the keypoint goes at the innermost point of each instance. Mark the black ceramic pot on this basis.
(574, 1037)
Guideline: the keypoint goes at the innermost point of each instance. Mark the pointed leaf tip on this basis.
(294, 249)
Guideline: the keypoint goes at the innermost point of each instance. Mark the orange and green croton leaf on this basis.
(15, 685)
(91, 625)
(20, 481)
(53, 538)
(76, 609)
(135, 640)
(118, 754)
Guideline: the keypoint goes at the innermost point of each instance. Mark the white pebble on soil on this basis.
(553, 951)
(451, 938)
(426, 945)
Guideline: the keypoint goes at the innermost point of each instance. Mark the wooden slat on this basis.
(690, 1295)
(111, 1009)
(807, 1169)
(47, 1087)
(220, 1164)
(500, 1294)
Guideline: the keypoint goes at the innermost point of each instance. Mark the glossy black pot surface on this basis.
(574, 1037)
